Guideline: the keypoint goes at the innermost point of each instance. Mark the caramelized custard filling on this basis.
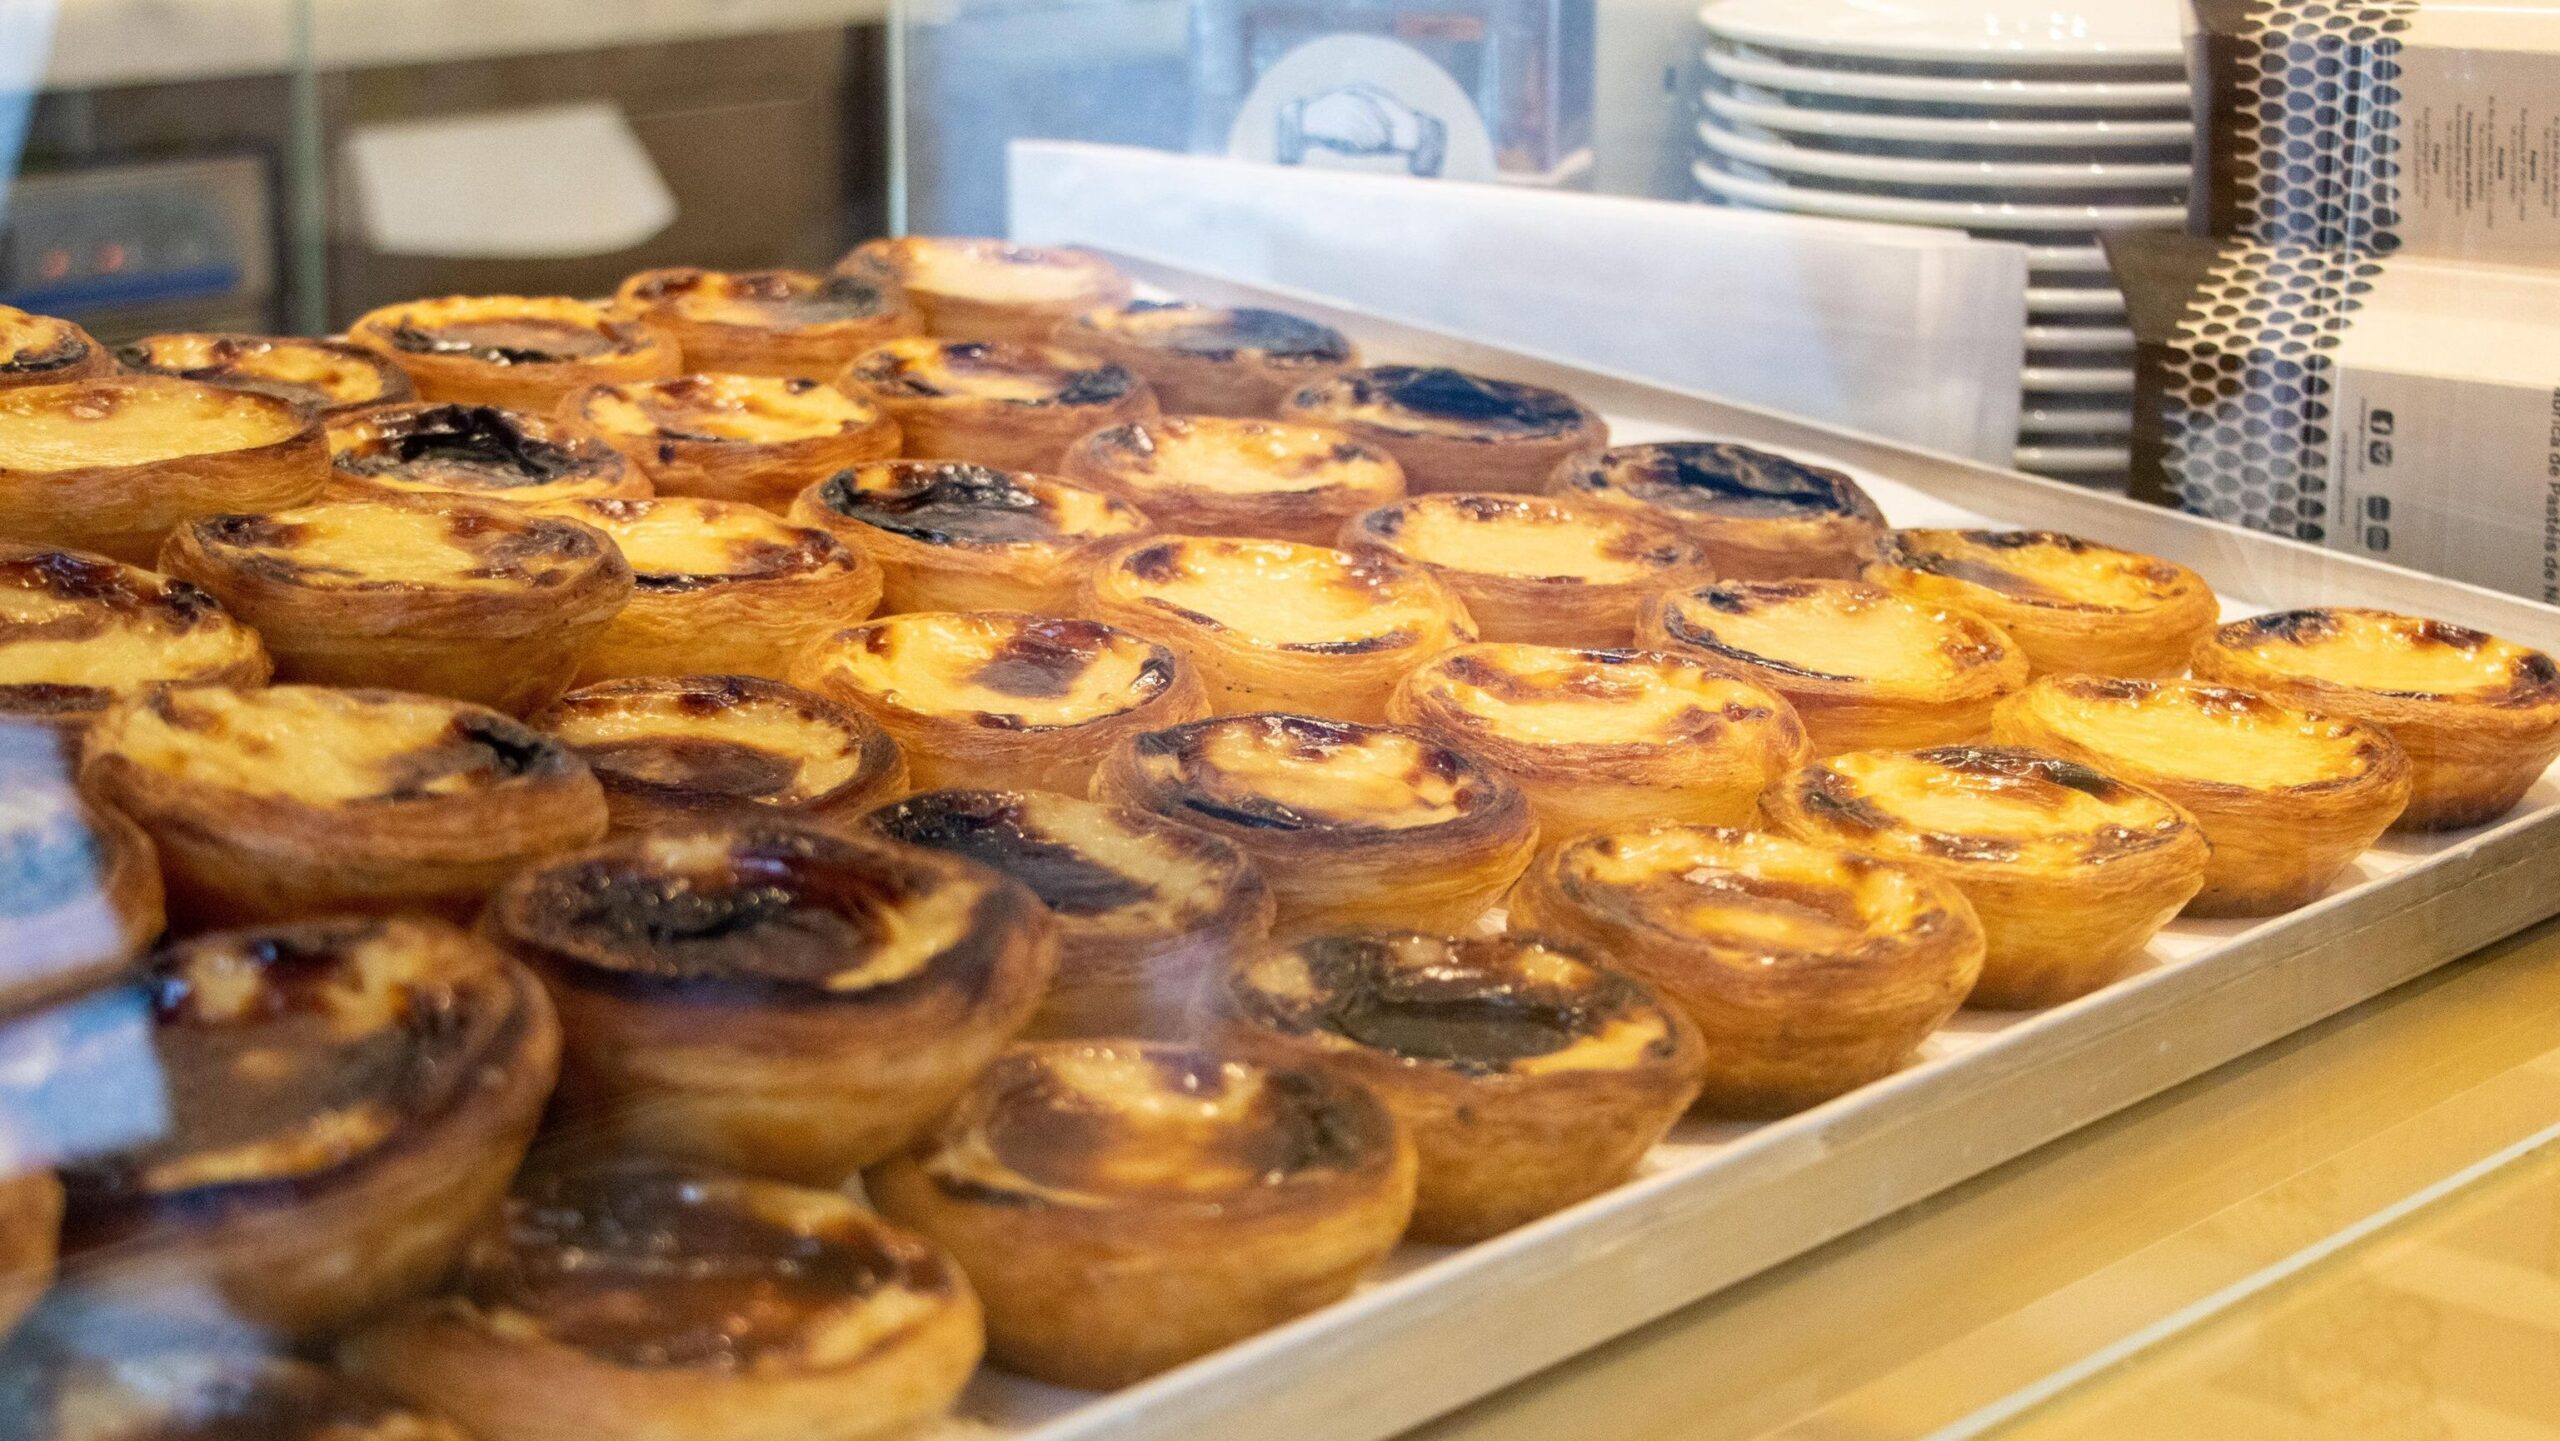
(318, 374)
(507, 339)
(2397, 655)
(1716, 478)
(464, 448)
(1298, 773)
(2217, 735)
(954, 503)
(1476, 1005)
(77, 621)
(1206, 333)
(739, 409)
(33, 344)
(1439, 401)
(2040, 567)
(134, 420)
(1008, 670)
(768, 299)
(1301, 597)
(1988, 804)
(1235, 457)
(1837, 631)
(731, 736)
(358, 546)
(925, 368)
(1542, 695)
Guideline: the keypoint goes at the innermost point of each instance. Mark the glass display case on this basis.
(795, 720)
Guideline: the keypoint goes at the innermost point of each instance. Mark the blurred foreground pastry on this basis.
(1124, 1208)
(956, 537)
(1810, 971)
(1864, 668)
(30, 1238)
(975, 289)
(1204, 360)
(1352, 825)
(2288, 798)
(113, 464)
(1605, 737)
(294, 801)
(1531, 569)
(674, 750)
(754, 439)
(1273, 625)
(206, 1395)
(2073, 605)
(328, 376)
(438, 593)
(1451, 430)
(780, 1001)
(2478, 716)
(79, 630)
(473, 450)
(524, 352)
(1529, 1077)
(348, 1099)
(649, 1302)
(719, 587)
(1218, 475)
(1014, 407)
(2070, 871)
(1003, 698)
(768, 322)
(1759, 516)
(1147, 910)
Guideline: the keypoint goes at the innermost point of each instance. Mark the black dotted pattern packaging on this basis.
(2389, 406)
(2417, 127)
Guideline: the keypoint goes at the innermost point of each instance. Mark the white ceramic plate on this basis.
(2073, 300)
(2170, 178)
(1960, 32)
(1959, 214)
(2078, 338)
(2073, 380)
(1767, 108)
(2079, 459)
(1985, 92)
(2072, 421)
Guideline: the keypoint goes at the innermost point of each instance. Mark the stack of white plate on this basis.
(2038, 121)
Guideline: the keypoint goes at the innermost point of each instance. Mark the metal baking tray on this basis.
(1717, 1203)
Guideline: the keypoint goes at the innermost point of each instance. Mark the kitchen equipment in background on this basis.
(2041, 123)
(1461, 89)
(130, 248)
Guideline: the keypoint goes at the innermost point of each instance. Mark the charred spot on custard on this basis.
(482, 439)
(65, 350)
(1219, 335)
(2011, 763)
(88, 580)
(945, 503)
(1045, 659)
(1835, 798)
(1157, 564)
(1461, 1013)
(1441, 393)
(1722, 478)
(503, 340)
(994, 829)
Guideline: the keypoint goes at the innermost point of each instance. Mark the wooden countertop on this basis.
(2169, 1219)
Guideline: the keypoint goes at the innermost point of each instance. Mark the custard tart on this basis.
(2070, 871)
(474, 450)
(45, 350)
(1147, 910)
(1015, 407)
(2478, 716)
(1206, 360)
(768, 322)
(1528, 1076)
(780, 1000)
(77, 631)
(758, 439)
(1603, 737)
(950, 536)
(719, 587)
(1809, 970)
(439, 593)
(1451, 430)
(1218, 475)
(1002, 698)
(30, 1236)
(1351, 825)
(202, 1395)
(651, 1302)
(2287, 797)
(688, 749)
(114, 464)
(328, 376)
(1126, 1207)
(977, 289)
(80, 897)
(346, 1101)
(524, 352)
(2076, 607)
(1531, 569)
(1864, 668)
(1275, 625)
(1759, 516)
(294, 800)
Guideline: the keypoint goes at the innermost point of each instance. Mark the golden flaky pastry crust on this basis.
(1206, 360)
(768, 322)
(523, 352)
(756, 439)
